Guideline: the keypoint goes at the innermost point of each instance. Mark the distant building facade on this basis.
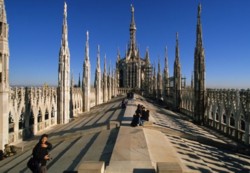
(133, 70)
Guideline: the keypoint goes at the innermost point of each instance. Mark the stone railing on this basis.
(187, 100)
(228, 112)
(123, 90)
(25, 103)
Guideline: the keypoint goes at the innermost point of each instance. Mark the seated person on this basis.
(135, 120)
(147, 115)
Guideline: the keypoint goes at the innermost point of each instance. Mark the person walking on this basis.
(41, 154)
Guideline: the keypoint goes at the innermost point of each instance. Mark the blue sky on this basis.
(36, 27)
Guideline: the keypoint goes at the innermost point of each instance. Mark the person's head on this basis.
(44, 138)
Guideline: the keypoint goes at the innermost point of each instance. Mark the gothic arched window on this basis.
(39, 116)
(46, 114)
(242, 122)
(224, 118)
(31, 119)
(11, 123)
(21, 121)
(232, 120)
(217, 115)
(52, 112)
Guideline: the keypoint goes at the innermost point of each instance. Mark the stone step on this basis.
(130, 152)
(130, 167)
(160, 149)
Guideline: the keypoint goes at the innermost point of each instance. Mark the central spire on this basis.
(132, 29)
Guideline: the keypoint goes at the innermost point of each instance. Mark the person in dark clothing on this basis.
(137, 116)
(41, 153)
(123, 104)
(143, 114)
(135, 120)
(147, 114)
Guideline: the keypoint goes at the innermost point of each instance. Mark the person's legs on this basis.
(43, 169)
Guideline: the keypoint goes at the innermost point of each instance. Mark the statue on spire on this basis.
(65, 9)
(132, 8)
(87, 35)
(87, 47)
(199, 10)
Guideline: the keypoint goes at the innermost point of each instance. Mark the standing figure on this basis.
(41, 154)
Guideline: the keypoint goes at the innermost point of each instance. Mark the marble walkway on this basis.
(87, 138)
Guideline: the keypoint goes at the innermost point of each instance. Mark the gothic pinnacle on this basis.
(87, 47)
(166, 57)
(105, 68)
(199, 10)
(65, 9)
(177, 48)
(98, 56)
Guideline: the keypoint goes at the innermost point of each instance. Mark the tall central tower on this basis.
(4, 75)
(132, 30)
(63, 96)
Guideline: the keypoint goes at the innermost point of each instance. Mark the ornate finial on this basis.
(105, 63)
(159, 64)
(65, 9)
(199, 9)
(177, 36)
(132, 8)
(98, 56)
(166, 57)
(87, 47)
(87, 35)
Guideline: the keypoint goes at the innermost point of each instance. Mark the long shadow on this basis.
(200, 137)
(238, 146)
(108, 109)
(212, 156)
(111, 109)
(109, 146)
(83, 127)
(62, 153)
(119, 98)
(89, 115)
(121, 115)
(82, 153)
(60, 130)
